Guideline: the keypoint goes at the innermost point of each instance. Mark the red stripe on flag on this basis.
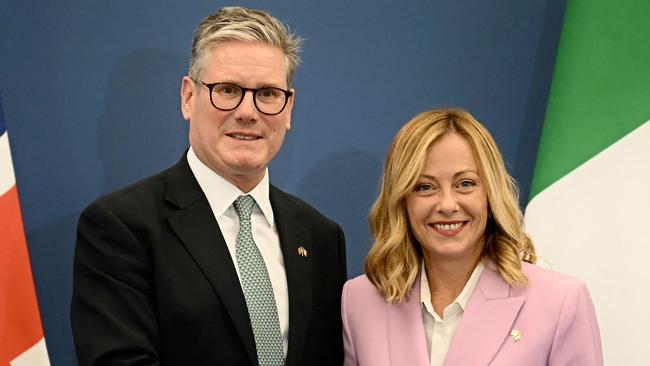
(20, 321)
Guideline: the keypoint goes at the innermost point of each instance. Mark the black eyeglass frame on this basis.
(287, 94)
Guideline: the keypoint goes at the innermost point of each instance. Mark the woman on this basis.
(450, 279)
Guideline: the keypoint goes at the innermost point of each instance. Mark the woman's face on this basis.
(448, 207)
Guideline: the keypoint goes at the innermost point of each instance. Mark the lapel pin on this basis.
(302, 251)
(515, 335)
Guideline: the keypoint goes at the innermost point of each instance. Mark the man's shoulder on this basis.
(140, 195)
(300, 206)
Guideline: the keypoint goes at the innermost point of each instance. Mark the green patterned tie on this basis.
(257, 288)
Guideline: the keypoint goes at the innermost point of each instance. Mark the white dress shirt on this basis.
(440, 331)
(221, 195)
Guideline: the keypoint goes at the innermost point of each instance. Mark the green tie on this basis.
(257, 288)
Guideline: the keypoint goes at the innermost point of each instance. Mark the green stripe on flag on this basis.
(601, 85)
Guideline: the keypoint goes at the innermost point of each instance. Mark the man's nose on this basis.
(246, 110)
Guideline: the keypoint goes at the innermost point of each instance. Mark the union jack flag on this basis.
(21, 335)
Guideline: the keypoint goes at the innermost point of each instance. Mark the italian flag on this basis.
(589, 212)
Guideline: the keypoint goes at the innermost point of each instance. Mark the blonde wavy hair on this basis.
(393, 262)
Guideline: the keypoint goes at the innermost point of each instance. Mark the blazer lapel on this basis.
(406, 337)
(298, 269)
(486, 322)
(194, 223)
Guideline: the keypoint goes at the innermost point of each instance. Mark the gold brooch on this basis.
(302, 251)
(515, 335)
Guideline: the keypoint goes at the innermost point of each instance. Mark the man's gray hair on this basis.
(236, 23)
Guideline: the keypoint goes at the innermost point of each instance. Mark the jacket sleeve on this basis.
(577, 338)
(349, 353)
(112, 310)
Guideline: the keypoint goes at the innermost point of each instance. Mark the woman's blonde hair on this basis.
(394, 259)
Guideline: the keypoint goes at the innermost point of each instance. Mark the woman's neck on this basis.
(447, 280)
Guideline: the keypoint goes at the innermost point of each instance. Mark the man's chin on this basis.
(248, 171)
(247, 168)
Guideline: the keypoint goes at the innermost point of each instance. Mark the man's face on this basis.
(237, 144)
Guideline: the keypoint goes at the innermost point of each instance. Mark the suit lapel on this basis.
(406, 337)
(486, 322)
(298, 270)
(194, 223)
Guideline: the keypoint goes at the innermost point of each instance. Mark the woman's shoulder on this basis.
(360, 284)
(550, 280)
(361, 289)
(539, 272)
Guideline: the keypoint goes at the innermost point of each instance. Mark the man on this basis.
(175, 269)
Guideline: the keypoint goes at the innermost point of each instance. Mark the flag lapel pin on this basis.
(302, 251)
(515, 335)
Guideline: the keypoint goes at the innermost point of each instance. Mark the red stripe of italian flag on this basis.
(589, 213)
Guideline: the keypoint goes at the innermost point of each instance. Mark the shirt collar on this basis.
(221, 194)
(463, 298)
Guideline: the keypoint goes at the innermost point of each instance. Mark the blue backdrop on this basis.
(91, 100)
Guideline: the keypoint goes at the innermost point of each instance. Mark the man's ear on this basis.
(188, 91)
(289, 107)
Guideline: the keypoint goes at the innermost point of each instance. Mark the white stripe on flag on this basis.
(7, 178)
(36, 355)
(593, 223)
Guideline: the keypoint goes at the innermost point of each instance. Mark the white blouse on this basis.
(440, 331)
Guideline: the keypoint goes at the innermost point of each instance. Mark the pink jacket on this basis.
(553, 314)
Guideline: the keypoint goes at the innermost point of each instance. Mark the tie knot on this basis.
(244, 207)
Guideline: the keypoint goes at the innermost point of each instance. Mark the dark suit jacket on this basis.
(154, 283)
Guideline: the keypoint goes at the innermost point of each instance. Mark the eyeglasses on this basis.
(228, 96)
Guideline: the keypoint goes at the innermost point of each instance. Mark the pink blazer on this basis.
(553, 314)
